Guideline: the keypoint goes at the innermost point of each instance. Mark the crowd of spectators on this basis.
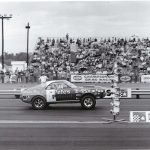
(19, 76)
(61, 57)
(58, 58)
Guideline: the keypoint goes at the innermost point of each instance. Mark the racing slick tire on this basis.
(88, 102)
(39, 103)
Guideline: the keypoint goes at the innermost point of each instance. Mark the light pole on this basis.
(3, 17)
(28, 27)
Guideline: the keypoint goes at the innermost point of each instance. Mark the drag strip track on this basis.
(73, 138)
(67, 126)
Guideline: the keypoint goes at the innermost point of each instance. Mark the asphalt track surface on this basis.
(68, 127)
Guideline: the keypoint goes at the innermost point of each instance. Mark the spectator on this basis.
(43, 78)
(13, 78)
(97, 55)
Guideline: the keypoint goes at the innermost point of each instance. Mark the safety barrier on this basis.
(10, 92)
(135, 93)
(138, 93)
(15, 92)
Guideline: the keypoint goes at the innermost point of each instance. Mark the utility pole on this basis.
(28, 27)
(3, 17)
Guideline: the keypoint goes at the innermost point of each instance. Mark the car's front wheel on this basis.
(88, 102)
(39, 103)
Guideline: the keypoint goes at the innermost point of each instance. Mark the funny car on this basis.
(62, 91)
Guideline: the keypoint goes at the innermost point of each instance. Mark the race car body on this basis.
(62, 91)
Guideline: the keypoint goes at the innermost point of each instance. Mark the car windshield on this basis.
(66, 83)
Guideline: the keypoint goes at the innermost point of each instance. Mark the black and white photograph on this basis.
(74, 75)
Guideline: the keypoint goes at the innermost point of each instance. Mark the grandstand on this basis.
(61, 57)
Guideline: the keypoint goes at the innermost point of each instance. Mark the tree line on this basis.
(8, 57)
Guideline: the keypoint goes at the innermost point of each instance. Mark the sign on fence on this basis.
(93, 78)
(123, 93)
(124, 78)
(145, 78)
(140, 116)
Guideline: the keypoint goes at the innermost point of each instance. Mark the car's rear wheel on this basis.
(39, 103)
(88, 102)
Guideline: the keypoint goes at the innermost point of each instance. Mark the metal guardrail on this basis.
(140, 92)
(10, 92)
(16, 92)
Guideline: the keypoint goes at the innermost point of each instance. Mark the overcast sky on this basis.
(55, 19)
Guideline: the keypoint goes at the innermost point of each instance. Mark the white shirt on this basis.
(43, 78)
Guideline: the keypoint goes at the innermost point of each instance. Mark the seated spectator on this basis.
(98, 55)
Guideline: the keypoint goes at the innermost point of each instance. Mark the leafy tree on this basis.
(8, 57)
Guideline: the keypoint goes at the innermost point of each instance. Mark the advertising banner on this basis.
(145, 78)
(140, 116)
(125, 78)
(94, 78)
(124, 93)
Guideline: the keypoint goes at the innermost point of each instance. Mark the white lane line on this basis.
(10, 99)
(48, 122)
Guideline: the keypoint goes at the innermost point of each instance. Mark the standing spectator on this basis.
(50, 75)
(19, 77)
(6, 78)
(43, 78)
(67, 37)
(13, 78)
(22, 76)
(27, 75)
(35, 75)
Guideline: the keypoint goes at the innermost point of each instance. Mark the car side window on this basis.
(57, 86)
(64, 86)
(61, 85)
